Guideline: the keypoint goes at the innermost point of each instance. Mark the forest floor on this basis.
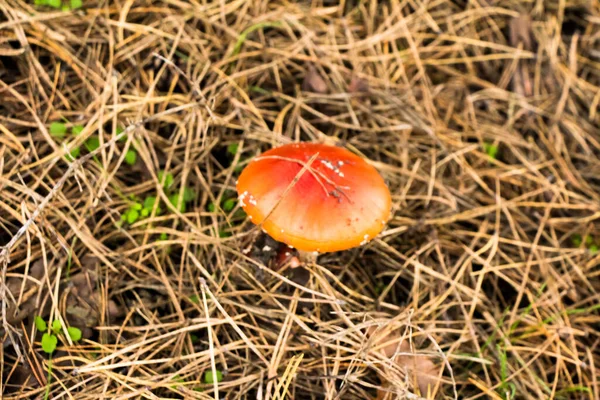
(128, 269)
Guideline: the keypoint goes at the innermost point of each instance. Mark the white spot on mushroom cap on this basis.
(242, 198)
(334, 168)
(266, 248)
(327, 164)
(365, 240)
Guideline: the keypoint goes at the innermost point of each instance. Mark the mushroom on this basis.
(314, 197)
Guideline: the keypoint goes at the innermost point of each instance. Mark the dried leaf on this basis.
(520, 31)
(313, 82)
(422, 370)
(358, 85)
(113, 310)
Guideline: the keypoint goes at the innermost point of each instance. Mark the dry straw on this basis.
(481, 115)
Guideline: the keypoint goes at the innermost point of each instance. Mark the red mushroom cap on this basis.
(339, 201)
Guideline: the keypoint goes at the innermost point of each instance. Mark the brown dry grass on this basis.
(477, 269)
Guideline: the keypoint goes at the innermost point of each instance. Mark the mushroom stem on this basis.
(308, 257)
(285, 256)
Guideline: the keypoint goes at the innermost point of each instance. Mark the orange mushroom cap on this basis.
(336, 202)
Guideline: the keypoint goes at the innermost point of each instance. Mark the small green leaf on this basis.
(92, 143)
(490, 149)
(40, 2)
(239, 214)
(118, 132)
(379, 287)
(58, 129)
(258, 89)
(124, 217)
(233, 149)
(74, 333)
(194, 338)
(149, 202)
(132, 216)
(181, 55)
(145, 212)
(593, 249)
(188, 194)
(238, 168)
(130, 156)
(76, 129)
(224, 234)
(242, 37)
(229, 204)
(211, 207)
(208, 377)
(40, 324)
(178, 379)
(74, 153)
(54, 3)
(503, 363)
(576, 240)
(194, 299)
(168, 179)
(49, 342)
(589, 240)
(163, 236)
(574, 389)
(136, 206)
(56, 326)
(174, 200)
(76, 4)
(65, 7)
(149, 205)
